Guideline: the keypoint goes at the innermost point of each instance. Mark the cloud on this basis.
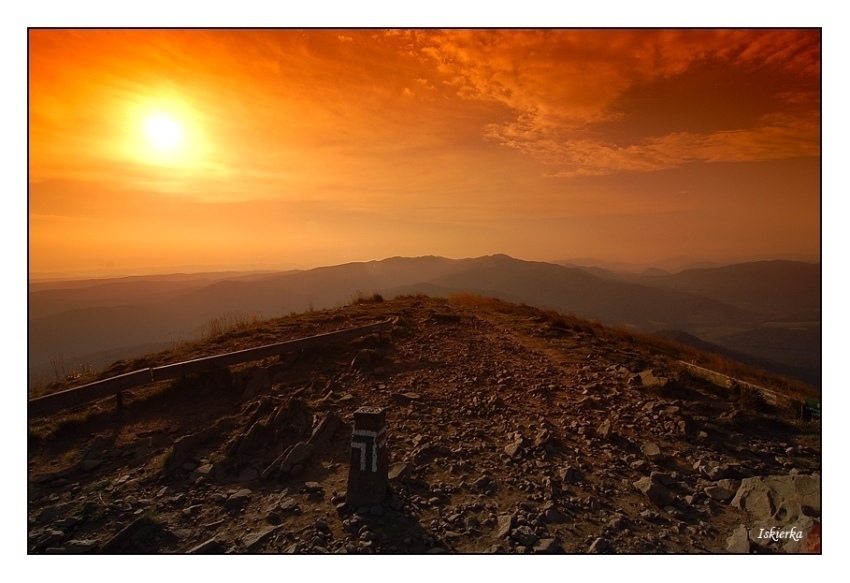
(778, 137)
(561, 85)
(277, 107)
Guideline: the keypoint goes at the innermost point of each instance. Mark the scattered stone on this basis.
(542, 438)
(298, 455)
(618, 522)
(52, 512)
(399, 472)
(719, 493)
(639, 465)
(505, 523)
(51, 538)
(75, 546)
(68, 523)
(716, 472)
(325, 428)
(210, 546)
(651, 450)
(729, 484)
(255, 541)
(555, 516)
(524, 535)
(651, 378)
(657, 494)
(569, 475)
(136, 528)
(664, 479)
(204, 471)
(599, 546)
(405, 398)
(238, 499)
(484, 483)
(288, 505)
(182, 449)
(513, 448)
(739, 541)
(547, 546)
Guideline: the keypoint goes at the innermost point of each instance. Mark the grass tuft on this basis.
(362, 298)
(228, 323)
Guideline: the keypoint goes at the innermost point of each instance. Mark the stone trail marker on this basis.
(369, 465)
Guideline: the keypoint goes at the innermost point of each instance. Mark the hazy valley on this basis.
(766, 313)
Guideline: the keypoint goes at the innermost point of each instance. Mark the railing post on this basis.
(368, 470)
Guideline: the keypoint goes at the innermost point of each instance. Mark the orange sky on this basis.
(299, 148)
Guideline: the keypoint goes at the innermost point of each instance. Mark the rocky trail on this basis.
(509, 430)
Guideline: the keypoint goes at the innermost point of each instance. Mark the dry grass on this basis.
(473, 301)
(229, 322)
(363, 298)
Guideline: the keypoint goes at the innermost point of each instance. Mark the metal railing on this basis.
(727, 382)
(76, 396)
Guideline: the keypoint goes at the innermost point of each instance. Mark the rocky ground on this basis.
(510, 430)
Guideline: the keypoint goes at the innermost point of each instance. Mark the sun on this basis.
(164, 132)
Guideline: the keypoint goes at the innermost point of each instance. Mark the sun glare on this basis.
(164, 132)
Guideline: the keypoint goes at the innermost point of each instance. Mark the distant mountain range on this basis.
(767, 311)
(677, 264)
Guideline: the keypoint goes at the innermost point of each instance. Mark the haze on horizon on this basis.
(153, 150)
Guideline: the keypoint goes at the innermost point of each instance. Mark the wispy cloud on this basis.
(562, 84)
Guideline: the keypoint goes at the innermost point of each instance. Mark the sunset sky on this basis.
(187, 150)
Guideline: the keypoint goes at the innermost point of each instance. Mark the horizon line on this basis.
(588, 262)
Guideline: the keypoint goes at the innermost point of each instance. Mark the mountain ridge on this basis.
(181, 309)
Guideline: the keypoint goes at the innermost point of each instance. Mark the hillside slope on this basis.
(510, 430)
(769, 287)
(77, 325)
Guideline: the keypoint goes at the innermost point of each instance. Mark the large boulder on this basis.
(782, 498)
(783, 509)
